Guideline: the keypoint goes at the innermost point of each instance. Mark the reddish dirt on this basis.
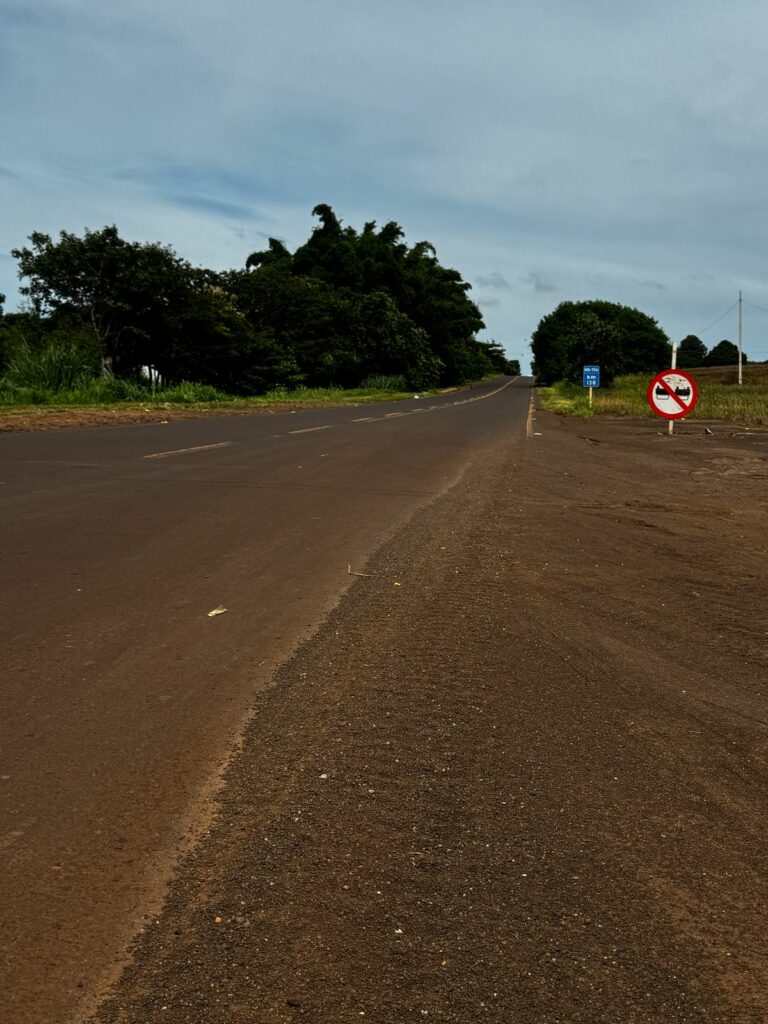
(46, 419)
(520, 772)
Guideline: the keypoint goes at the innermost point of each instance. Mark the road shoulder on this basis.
(519, 774)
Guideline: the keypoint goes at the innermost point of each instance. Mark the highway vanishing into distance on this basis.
(122, 695)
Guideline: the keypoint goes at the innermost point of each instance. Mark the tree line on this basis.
(692, 352)
(345, 306)
(620, 338)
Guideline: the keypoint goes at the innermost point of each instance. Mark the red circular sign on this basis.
(672, 394)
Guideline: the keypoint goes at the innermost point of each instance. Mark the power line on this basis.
(752, 304)
(716, 322)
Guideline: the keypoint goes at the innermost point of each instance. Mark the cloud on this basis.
(657, 285)
(494, 280)
(611, 147)
(538, 283)
(207, 204)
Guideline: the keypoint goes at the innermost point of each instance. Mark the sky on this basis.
(551, 150)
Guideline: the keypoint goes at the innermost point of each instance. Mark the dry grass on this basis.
(720, 397)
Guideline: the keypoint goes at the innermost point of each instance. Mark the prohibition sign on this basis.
(672, 394)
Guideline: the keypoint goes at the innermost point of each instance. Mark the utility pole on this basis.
(741, 379)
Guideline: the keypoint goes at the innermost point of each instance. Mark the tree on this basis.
(112, 284)
(622, 339)
(351, 265)
(725, 353)
(344, 305)
(594, 340)
(497, 358)
(691, 352)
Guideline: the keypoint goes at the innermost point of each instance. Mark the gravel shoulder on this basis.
(520, 772)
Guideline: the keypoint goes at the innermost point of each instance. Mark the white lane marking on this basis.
(435, 408)
(185, 451)
(529, 420)
(308, 430)
(479, 398)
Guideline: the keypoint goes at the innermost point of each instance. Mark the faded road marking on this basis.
(433, 408)
(308, 430)
(479, 398)
(186, 451)
(529, 421)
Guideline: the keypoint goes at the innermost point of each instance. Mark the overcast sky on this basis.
(551, 150)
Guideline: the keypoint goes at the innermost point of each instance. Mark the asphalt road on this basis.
(122, 697)
(518, 775)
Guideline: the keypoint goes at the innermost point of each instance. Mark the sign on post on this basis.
(591, 377)
(672, 394)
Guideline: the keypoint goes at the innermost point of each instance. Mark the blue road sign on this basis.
(591, 376)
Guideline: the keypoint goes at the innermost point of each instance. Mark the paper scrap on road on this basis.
(217, 611)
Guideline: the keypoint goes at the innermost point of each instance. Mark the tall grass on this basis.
(747, 403)
(58, 366)
(113, 390)
(384, 382)
(60, 375)
(118, 392)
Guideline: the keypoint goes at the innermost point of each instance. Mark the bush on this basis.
(383, 382)
(188, 392)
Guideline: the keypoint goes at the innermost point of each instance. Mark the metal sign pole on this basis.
(590, 398)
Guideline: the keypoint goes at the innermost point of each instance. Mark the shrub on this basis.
(188, 392)
(384, 382)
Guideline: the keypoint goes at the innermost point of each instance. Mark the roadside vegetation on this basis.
(720, 396)
(630, 348)
(61, 390)
(188, 393)
(349, 314)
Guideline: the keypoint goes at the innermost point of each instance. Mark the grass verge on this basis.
(88, 407)
(746, 404)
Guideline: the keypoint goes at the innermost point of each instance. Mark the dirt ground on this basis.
(519, 775)
(58, 419)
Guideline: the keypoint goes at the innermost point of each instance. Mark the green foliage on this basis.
(347, 305)
(691, 352)
(381, 382)
(57, 366)
(118, 288)
(725, 353)
(717, 401)
(621, 339)
(187, 393)
(363, 302)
